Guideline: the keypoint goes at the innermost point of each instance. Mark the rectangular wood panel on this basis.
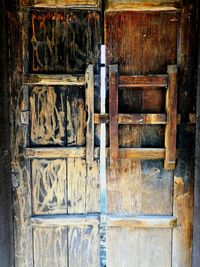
(63, 41)
(60, 3)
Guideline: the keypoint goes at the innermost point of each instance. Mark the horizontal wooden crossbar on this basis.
(65, 220)
(143, 81)
(142, 221)
(80, 152)
(59, 79)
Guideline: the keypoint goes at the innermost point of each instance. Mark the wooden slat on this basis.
(133, 118)
(70, 152)
(113, 114)
(65, 220)
(89, 78)
(139, 119)
(143, 81)
(141, 221)
(57, 79)
(141, 153)
(171, 127)
(60, 3)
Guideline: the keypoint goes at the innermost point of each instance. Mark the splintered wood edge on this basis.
(59, 79)
(65, 220)
(142, 221)
(119, 7)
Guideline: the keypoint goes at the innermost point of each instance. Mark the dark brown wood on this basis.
(171, 127)
(113, 114)
(143, 81)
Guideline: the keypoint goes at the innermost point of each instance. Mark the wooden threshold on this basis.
(57, 79)
(143, 81)
(65, 220)
(141, 221)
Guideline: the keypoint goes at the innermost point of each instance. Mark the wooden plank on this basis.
(113, 114)
(89, 78)
(141, 221)
(141, 153)
(117, 7)
(143, 81)
(49, 186)
(138, 247)
(53, 79)
(171, 127)
(139, 119)
(69, 152)
(60, 3)
(133, 118)
(183, 210)
(84, 246)
(64, 220)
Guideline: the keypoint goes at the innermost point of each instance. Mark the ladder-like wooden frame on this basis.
(169, 119)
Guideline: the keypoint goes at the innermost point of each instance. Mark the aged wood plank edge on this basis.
(89, 96)
(80, 152)
(141, 221)
(119, 7)
(140, 153)
(171, 127)
(158, 118)
(57, 79)
(65, 220)
(61, 4)
(59, 152)
(113, 115)
(143, 81)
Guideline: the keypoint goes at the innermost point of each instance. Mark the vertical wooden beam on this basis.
(171, 127)
(89, 79)
(113, 115)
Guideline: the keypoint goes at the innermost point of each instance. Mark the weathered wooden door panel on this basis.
(145, 227)
(56, 165)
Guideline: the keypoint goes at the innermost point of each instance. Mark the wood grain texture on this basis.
(171, 127)
(49, 186)
(60, 3)
(143, 81)
(64, 42)
(144, 247)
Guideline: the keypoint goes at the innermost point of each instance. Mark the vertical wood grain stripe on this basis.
(113, 111)
(171, 127)
(89, 79)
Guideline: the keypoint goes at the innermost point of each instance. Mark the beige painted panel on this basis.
(49, 186)
(84, 246)
(139, 247)
(50, 247)
(83, 186)
(140, 188)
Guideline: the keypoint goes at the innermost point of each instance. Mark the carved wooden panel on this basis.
(57, 116)
(49, 186)
(64, 41)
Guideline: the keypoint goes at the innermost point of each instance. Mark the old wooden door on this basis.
(150, 192)
(55, 117)
(55, 167)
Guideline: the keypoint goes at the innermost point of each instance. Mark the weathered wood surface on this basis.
(141, 221)
(64, 41)
(143, 81)
(144, 247)
(60, 3)
(171, 127)
(113, 115)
